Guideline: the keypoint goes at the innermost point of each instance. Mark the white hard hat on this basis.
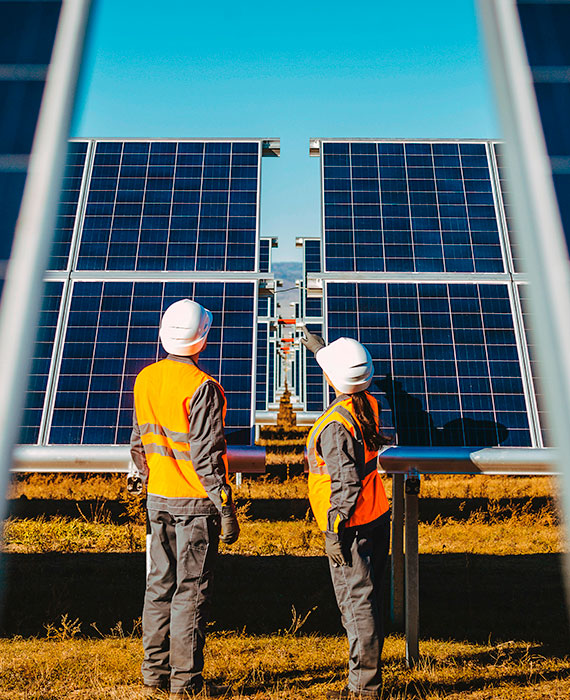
(184, 327)
(347, 363)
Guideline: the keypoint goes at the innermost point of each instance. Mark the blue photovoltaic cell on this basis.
(312, 255)
(41, 361)
(172, 206)
(314, 376)
(27, 32)
(112, 333)
(261, 371)
(523, 292)
(415, 207)
(546, 28)
(445, 355)
(264, 254)
(69, 198)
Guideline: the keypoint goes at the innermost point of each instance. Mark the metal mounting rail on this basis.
(508, 461)
(112, 458)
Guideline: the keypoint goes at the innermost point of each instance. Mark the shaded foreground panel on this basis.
(473, 597)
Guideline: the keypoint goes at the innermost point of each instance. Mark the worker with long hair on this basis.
(350, 506)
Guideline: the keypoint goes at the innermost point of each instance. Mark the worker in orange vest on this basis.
(350, 506)
(179, 450)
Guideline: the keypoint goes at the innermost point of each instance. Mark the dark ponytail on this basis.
(373, 438)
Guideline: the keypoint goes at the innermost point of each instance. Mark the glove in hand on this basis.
(134, 485)
(230, 525)
(333, 548)
(312, 342)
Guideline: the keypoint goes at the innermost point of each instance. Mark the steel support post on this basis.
(397, 558)
(412, 488)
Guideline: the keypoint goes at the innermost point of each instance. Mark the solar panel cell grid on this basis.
(112, 334)
(407, 207)
(445, 356)
(523, 293)
(69, 198)
(172, 206)
(261, 371)
(43, 348)
(312, 251)
(264, 253)
(314, 376)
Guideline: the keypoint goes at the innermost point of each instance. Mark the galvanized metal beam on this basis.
(112, 458)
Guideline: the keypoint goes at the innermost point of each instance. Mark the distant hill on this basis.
(288, 273)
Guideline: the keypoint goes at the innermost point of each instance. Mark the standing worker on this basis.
(350, 506)
(179, 449)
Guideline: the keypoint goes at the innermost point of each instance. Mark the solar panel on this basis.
(112, 333)
(505, 193)
(265, 255)
(523, 293)
(27, 32)
(445, 355)
(546, 27)
(409, 207)
(69, 199)
(314, 387)
(312, 253)
(313, 306)
(41, 360)
(166, 205)
(262, 367)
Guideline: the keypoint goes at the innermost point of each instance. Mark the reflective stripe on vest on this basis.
(372, 501)
(163, 396)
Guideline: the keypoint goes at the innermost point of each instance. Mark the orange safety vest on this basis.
(163, 395)
(372, 501)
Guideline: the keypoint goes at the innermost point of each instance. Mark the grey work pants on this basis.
(183, 550)
(359, 593)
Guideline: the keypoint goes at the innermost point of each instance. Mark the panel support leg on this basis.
(412, 488)
(397, 559)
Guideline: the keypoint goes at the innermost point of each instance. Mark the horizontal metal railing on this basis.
(112, 458)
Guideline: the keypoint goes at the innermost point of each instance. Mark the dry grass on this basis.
(279, 666)
(112, 487)
(498, 530)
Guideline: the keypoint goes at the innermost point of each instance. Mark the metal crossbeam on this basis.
(103, 459)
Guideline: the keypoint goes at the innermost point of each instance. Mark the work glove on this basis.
(333, 549)
(312, 342)
(230, 525)
(134, 485)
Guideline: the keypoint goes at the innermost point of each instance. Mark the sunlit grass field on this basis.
(489, 546)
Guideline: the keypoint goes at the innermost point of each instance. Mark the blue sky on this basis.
(290, 70)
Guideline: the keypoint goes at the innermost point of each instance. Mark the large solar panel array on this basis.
(27, 33)
(142, 224)
(418, 265)
(546, 27)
